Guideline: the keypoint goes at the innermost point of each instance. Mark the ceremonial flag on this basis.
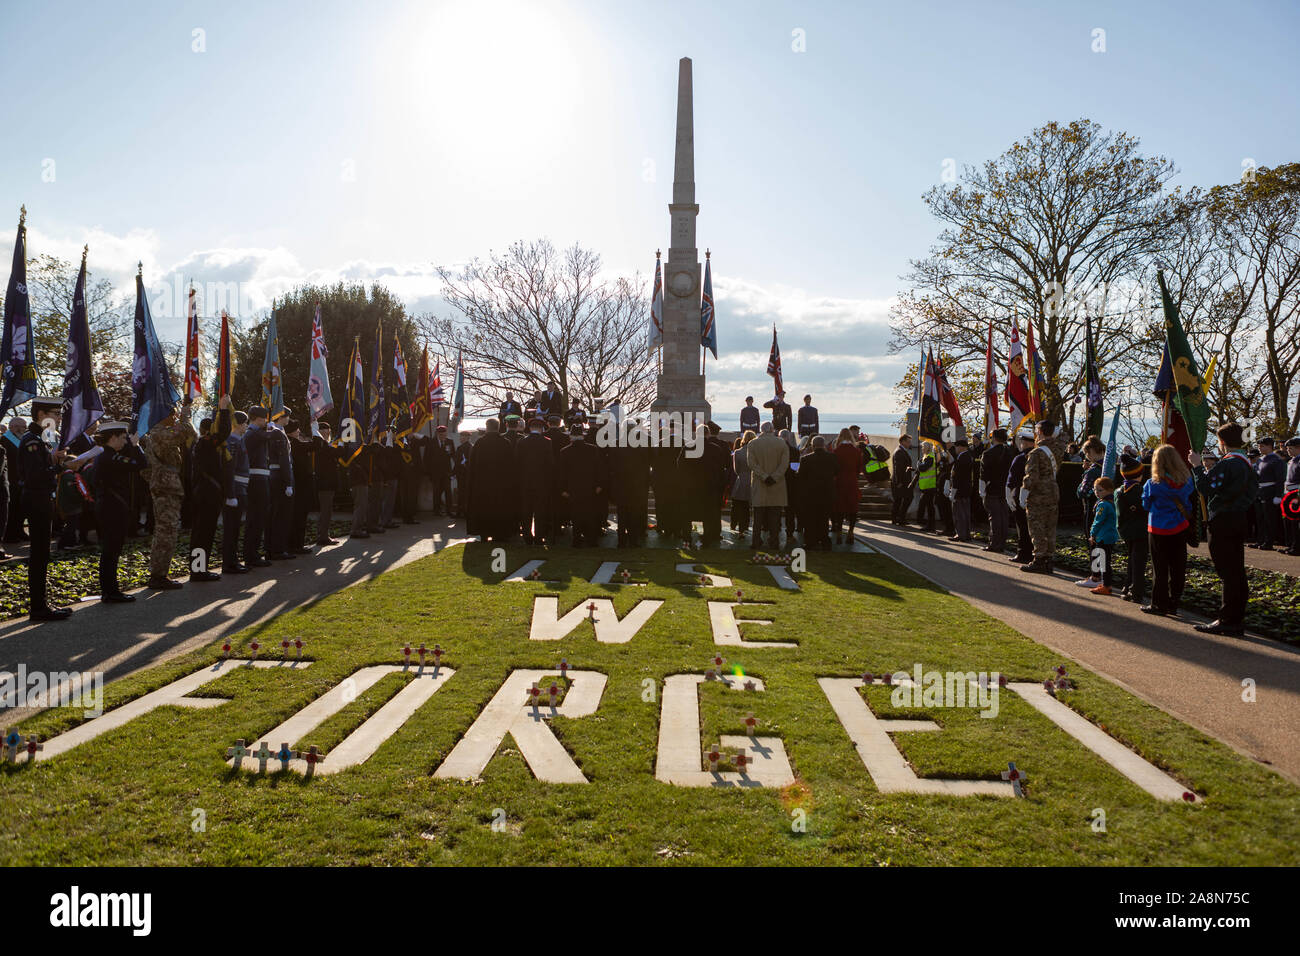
(1185, 389)
(1173, 429)
(947, 397)
(422, 407)
(398, 409)
(1110, 464)
(319, 397)
(992, 417)
(656, 339)
(351, 435)
(929, 423)
(18, 348)
(154, 398)
(774, 367)
(458, 390)
(436, 394)
(81, 402)
(272, 388)
(1034, 371)
(225, 369)
(919, 391)
(377, 398)
(1018, 395)
(1095, 416)
(193, 385)
(708, 328)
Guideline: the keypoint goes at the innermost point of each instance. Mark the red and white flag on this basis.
(774, 367)
(992, 407)
(193, 386)
(1017, 380)
(436, 395)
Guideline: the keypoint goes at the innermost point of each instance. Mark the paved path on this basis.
(121, 639)
(1195, 677)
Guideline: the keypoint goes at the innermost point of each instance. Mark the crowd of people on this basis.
(539, 473)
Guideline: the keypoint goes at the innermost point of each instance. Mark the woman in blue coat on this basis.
(1167, 497)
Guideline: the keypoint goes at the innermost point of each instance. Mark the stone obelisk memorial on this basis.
(681, 383)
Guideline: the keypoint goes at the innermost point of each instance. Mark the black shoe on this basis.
(118, 598)
(258, 563)
(164, 584)
(205, 576)
(304, 550)
(1037, 567)
(237, 569)
(1218, 627)
(50, 614)
(282, 556)
(1021, 558)
(1152, 609)
(360, 534)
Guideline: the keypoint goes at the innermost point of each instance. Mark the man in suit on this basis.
(583, 479)
(901, 474)
(995, 464)
(550, 401)
(535, 467)
(962, 473)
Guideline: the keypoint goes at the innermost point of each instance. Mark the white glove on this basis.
(1011, 499)
(983, 487)
(947, 489)
(1277, 501)
(232, 502)
(1024, 497)
(288, 492)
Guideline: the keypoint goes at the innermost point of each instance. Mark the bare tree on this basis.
(533, 315)
(1045, 232)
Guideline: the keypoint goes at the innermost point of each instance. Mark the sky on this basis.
(276, 144)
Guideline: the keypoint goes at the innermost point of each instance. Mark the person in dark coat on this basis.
(535, 468)
(1015, 482)
(902, 475)
(631, 480)
(704, 472)
(408, 478)
(207, 489)
(325, 479)
(439, 458)
(963, 468)
(280, 459)
(509, 407)
(491, 510)
(359, 481)
(302, 455)
(781, 415)
(13, 437)
(667, 488)
(550, 401)
(121, 458)
(995, 463)
(817, 470)
(460, 471)
(583, 480)
(559, 507)
(849, 464)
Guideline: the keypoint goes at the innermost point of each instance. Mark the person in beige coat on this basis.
(768, 458)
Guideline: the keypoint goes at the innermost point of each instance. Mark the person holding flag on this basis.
(781, 414)
(319, 398)
(153, 396)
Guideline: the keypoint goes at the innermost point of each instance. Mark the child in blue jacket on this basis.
(1105, 532)
(1167, 497)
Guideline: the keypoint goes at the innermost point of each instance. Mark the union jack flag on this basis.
(774, 367)
(193, 386)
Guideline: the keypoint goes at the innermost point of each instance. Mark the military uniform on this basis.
(235, 478)
(1293, 485)
(1043, 500)
(38, 474)
(280, 465)
(256, 441)
(165, 454)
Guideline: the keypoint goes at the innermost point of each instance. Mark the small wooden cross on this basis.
(253, 646)
(284, 755)
(421, 651)
(718, 662)
(263, 754)
(704, 580)
(537, 573)
(1002, 680)
(751, 723)
(1050, 686)
(534, 694)
(239, 752)
(626, 575)
(33, 745)
(313, 757)
(591, 611)
(742, 762)
(553, 692)
(284, 649)
(406, 655)
(740, 596)
(12, 741)
(225, 651)
(1017, 778)
(713, 755)
(564, 668)
(297, 643)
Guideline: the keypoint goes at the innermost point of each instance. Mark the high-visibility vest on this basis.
(874, 466)
(928, 477)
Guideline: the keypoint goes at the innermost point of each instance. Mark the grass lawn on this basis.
(130, 795)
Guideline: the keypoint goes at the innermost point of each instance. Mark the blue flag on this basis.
(351, 435)
(1110, 464)
(272, 387)
(319, 398)
(154, 397)
(81, 402)
(18, 347)
(708, 327)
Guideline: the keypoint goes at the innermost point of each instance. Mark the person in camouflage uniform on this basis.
(1040, 495)
(165, 448)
